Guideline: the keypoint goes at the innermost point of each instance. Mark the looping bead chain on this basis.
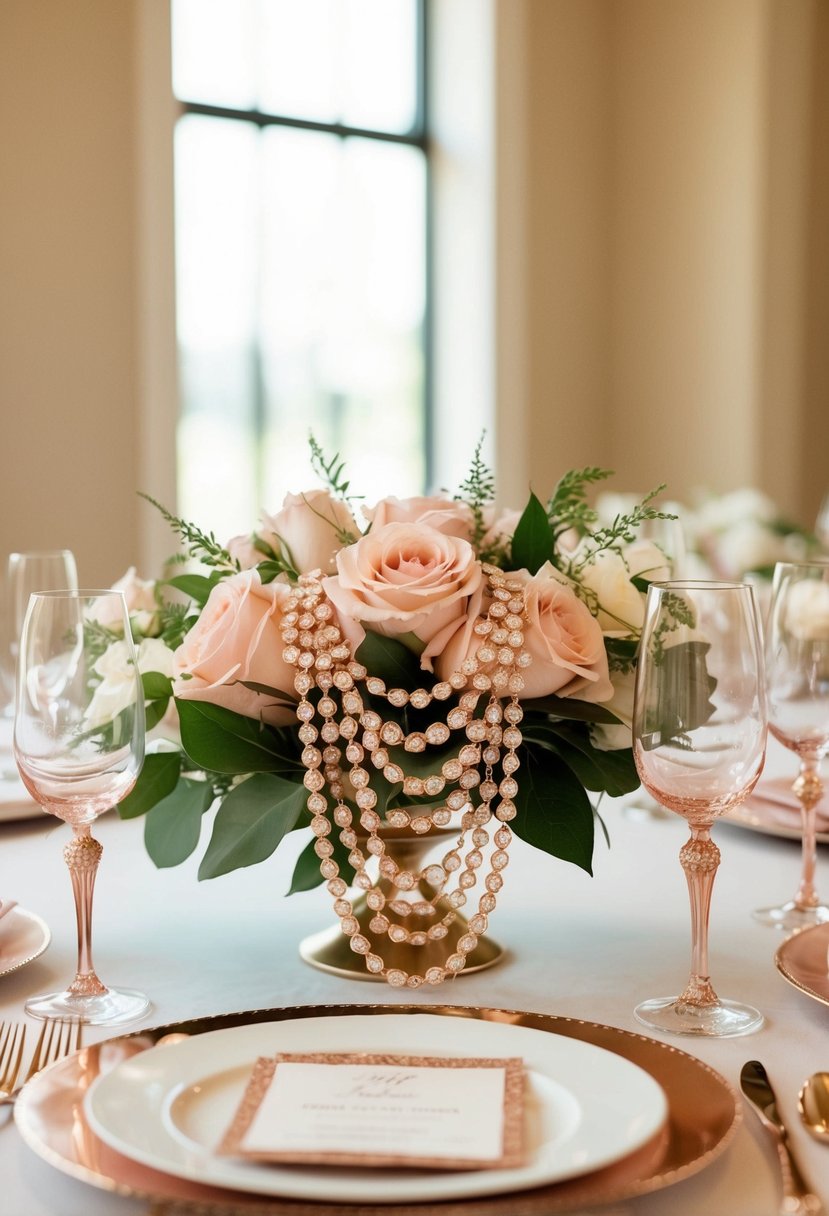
(352, 733)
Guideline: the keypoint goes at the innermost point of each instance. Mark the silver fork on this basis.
(56, 1039)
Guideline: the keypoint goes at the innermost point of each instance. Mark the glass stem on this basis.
(809, 789)
(82, 855)
(700, 858)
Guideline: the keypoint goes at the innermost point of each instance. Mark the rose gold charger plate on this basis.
(803, 960)
(703, 1116)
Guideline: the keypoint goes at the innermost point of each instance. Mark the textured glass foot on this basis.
(791, 917)
(720, 1020)
(108, 1008)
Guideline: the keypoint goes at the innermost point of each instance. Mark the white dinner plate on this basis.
(169, 1106)
(23, 938)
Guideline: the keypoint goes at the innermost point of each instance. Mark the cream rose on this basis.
(442, 514)
(564, 640)
(611, 736)
(608, 574)
(237, 637)
(310, 526)
(404, 579)
(117, 687)
(807, 611)
(142, 605)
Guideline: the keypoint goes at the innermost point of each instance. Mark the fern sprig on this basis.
(568, 508)
(330, 472)
(201, 545)
(624, 527)
(477, 490)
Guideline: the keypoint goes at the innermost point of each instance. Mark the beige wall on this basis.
(659, 188)
(67, 315)
(76, 361)
(671, 238)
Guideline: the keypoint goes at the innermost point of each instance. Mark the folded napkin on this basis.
(774, 800)
(6, 905)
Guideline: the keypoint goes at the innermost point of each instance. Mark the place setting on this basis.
(563, 1111)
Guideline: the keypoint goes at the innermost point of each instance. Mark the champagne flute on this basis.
(699, 738)
(797, 672)
(79, 746)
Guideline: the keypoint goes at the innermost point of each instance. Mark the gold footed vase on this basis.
(329, 950)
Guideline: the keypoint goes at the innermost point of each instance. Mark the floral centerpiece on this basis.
(437, 664)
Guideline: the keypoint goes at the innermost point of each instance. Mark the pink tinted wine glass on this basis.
(79, 747)
(699, 737)
(797, 675)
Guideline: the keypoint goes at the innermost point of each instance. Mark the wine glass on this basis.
(44, 570)
(699, 738)
(79, 746)
(822, 523)
(797, 673)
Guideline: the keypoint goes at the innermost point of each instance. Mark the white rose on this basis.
(608, 574)
(748, 545)
(807, 611)
(142, 605)
(610, 737)
(117, 688)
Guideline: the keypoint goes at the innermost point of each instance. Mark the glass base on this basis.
(790, 917)
(720, 1020)
(110, 1008)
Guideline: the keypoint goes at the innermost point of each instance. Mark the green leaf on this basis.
(157, 779)
(226, 742)
(154, 711)
(532, 542)
(196, 586)
(156, 685)
(681, 700)
(306, 873)
(569, 708)
(268, 690)
(554, 812)
(391, 661)
(613, 772)
(173, 826)
(250, 823)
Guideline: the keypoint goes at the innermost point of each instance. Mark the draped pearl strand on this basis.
(338, 728)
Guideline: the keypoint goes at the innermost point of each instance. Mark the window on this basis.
(301, 248)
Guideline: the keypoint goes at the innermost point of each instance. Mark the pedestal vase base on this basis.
(329, 950)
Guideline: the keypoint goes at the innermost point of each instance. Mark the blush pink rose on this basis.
(243, 550)
(443, 514)
(403, 579)
(311, 526)
(561, 635)
(237, 637)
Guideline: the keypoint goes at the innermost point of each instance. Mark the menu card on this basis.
(381, 1110)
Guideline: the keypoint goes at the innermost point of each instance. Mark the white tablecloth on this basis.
(578, 946)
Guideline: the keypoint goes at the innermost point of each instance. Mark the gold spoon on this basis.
(813, 1105)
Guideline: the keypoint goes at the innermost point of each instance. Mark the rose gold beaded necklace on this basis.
(323, 660)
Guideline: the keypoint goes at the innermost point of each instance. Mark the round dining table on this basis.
(576, 946)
